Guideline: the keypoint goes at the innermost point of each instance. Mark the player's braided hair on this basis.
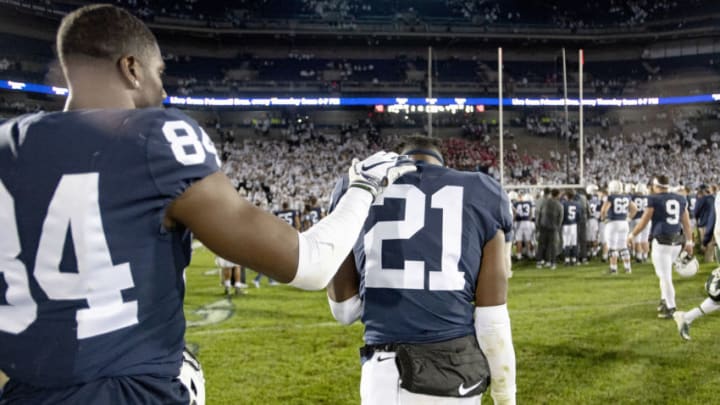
(103, 31)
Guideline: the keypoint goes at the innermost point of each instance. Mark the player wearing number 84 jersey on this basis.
(96, 208)
(427, 272)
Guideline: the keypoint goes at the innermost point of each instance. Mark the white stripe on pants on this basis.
(663, 257)
(380, 385)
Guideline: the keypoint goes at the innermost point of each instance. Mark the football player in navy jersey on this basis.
(524, 227)
(593, 222)
(312, 213)
(572, 211)
(427, 275)
(670, 231)
(640, 243)
(712, 288)
(96, 208)
(704, 211)
(617, 209)
(691, 197)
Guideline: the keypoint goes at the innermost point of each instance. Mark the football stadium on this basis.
(260, 202)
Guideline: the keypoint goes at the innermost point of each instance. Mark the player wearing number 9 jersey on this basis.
(428, 269)
(670, 230)
(96, 208)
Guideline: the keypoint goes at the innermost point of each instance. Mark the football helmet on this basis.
(591, 189)
(712, 285)
(686, 265)
(513, 195)
(191, 375)
(527, 197)
(629, 188)
(615, 187)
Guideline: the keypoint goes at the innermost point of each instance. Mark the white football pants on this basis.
(380, 385)
(663, 257)
(616, 233)
(592, 230)
(569, 235)
(525, 232)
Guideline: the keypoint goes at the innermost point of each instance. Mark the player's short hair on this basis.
(570, 194)
(103, 31)
(662, 181)
(421, 144)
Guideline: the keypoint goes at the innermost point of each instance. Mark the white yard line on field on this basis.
(263, 328)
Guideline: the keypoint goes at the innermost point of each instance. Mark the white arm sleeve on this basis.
(348, 311)
(323, 247)
(492, 328)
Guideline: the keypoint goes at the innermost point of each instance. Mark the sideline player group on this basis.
(626, 221)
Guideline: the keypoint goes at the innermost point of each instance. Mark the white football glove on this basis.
(379, 171)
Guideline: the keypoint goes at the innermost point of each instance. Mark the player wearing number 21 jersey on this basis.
(96, 208)
(427, 272)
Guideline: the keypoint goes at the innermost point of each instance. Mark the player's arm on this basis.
(632, 210)
(343, 290)
(604, 209)
(642, 223)
(492, 320)
(244, 234)
(3, 379)
(687, 230)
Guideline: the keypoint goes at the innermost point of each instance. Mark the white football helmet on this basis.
(513, 195)
(712, 285)
(629, 188)
(591, 189)
(641, 188)
(686, 265)
(191, 375)
(615, 187)
(527, 197)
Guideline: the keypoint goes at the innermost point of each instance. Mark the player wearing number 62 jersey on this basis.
(427, 270)
(617, 208)
(96, 208)
(670, 228)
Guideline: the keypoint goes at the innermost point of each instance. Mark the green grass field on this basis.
(581, 337)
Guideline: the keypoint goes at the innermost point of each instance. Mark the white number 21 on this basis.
(412, 276)
(75, 204)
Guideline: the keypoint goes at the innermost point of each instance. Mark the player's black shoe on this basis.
(667, 313)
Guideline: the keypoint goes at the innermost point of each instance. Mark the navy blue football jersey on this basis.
(312, 217)
(667, 213)
(703, 208)
(594, 206)
(619, 207)
(91, 283)
(288, 216)
(572, 211)
(419, 254)
(692, 202)
(641, 202)
(524, 210)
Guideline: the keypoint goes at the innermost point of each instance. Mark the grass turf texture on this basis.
(581, 337)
